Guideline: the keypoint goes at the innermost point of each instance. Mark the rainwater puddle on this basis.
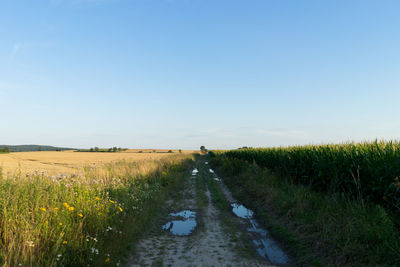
(266, 247)
(184, 225)
(241, 211)
(195, 171)
(211, 171)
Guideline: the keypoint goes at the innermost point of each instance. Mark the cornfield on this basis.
(366, 171)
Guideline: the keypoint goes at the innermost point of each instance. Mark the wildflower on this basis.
(66, 205)
(43, 209)
(61, 234)
(65, 242)
(108, 259)
(60, 223)
(80, 215)
(164, 173)
(112, 201)
(97, 198)
(71, 208)
(46, 222)
(56, 209)
(120, 209)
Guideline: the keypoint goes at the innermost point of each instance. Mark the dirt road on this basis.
(196, 231)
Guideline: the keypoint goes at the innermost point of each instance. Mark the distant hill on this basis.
(26, 148)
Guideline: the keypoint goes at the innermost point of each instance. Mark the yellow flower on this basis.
(66, 205)
(112, 201)
(120, 209)
(55, 208)
(42, 209)
(46, 222)
(164, 173)
(60, 223)
(71, 208)
(80, 215)
(61, 234)
(107, 259)
(97, 198)
(65, 242)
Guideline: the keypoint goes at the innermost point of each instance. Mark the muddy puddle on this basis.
(184, 224)
(266, 247)
(215, 176)
(241, 211)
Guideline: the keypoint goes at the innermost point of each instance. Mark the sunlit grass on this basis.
(47, 221)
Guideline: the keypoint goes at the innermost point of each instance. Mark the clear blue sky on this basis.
(185, 73)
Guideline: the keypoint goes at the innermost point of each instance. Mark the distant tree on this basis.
(6, 149)
(40, 148)
(120, 149)
(169, 151)
(91, 149)
(115, 149)
(180, 150)
(203, 149)
(154, 151)
(110, 150)
(96, 149)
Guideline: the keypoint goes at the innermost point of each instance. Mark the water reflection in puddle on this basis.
(241, 211)
(183, 226)
(266, 247)
(195, 171)
(211, 171)
(206, 163)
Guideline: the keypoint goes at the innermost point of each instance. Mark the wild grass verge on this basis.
(314, 225)
(75, 221)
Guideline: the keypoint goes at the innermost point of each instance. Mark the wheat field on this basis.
(70, 162)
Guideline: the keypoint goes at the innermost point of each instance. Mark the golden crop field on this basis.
(70, 162)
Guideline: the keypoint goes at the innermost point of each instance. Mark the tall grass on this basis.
(332, 227)
(367, 171)
(48, 221)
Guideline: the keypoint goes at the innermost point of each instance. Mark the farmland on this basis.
(68, 162)
(71, 219)
(366, 170)
(344, 197)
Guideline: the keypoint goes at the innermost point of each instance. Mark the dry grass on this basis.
(69, 162)
(70, 221)
(151, 150)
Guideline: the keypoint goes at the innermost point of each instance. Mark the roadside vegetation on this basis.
(330, 204)
(75, 221)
